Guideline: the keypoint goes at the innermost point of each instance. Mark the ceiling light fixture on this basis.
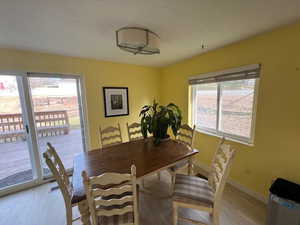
(138, 40)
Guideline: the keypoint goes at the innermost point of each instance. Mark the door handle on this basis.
(27, 129)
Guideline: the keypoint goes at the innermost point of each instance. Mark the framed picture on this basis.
(115, 101)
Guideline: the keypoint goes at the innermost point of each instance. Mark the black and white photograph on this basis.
(115, 101)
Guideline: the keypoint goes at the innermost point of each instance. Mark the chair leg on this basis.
(69, 215)
(158, 175)
(175, 214)
(84, 212)
(215, 217)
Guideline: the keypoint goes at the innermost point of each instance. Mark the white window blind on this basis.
(240, 73)
(224, 102)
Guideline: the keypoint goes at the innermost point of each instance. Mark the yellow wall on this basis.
(276, 152)
(141, 81)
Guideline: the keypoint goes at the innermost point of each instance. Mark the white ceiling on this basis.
(86, 28)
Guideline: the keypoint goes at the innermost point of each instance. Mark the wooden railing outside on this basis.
(48, 123)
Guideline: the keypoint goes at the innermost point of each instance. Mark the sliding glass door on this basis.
(36, 109)
(56, 106)
(16, 161)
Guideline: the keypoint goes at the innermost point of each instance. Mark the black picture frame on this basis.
(121, 107)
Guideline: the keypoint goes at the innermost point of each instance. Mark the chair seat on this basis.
(193, 190)
(179, 165)
(126, 218)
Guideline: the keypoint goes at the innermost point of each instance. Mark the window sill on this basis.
(229, 138)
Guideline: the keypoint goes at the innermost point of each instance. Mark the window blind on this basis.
(240, 73)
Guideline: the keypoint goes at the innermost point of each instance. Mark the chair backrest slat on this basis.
(113, 212)
(134, 132)
(186, 135)
(105, 139)
(137, 132)
(110, 136)
(111, 194)
(111, 178)
(110, 202)
(111, 191)
(220, 168)
(59, 172)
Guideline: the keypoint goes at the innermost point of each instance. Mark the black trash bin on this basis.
(284, 203)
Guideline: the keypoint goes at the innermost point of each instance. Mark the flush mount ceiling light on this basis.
(138, 40)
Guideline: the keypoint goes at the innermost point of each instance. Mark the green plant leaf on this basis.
(157, 118)
(145, 109)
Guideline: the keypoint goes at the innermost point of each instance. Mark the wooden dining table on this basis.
(144, 154)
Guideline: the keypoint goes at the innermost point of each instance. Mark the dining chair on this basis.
(112, 198)
(110, 136)
(59, 172)
(134, 131)
(185, 136)
(204, 195)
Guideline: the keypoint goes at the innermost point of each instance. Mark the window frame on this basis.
(217, 132)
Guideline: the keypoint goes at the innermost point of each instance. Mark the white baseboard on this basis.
(235, 184)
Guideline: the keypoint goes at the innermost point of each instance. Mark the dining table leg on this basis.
(84, 212)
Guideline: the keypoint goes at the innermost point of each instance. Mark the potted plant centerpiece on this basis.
(156, 119)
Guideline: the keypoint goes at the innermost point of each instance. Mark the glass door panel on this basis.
(57, 117)
(15, 161)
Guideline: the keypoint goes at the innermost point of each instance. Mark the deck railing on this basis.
(48, 123)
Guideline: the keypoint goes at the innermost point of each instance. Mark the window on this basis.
(223, 103)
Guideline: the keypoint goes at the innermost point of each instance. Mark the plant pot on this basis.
(159, 140)
(165, 139)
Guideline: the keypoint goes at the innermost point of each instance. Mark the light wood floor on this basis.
(40, 206)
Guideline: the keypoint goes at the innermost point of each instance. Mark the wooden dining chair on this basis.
(134, 131)
(110, 136)
(185, 136)
(112, 198)
(59, 172)
(199, 194)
